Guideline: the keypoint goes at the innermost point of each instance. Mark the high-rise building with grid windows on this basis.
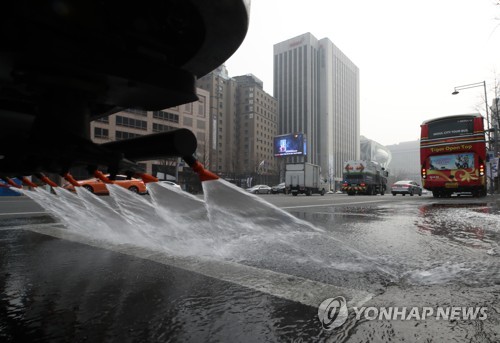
(131, 123)
(317, 88)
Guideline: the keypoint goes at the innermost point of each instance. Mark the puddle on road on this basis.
(465, 244)
(431, 244)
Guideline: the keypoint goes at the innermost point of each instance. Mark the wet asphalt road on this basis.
(387, 251)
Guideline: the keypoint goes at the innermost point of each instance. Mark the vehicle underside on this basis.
(476, 191)
(64, 64)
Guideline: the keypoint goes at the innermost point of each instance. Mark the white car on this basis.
(259, 189)
(170, 183)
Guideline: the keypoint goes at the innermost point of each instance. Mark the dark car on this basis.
(406, 187)
(278, 188)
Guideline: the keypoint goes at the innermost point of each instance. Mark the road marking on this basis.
(335, 204)
(305, 291)
(348, 214)
(21, 213)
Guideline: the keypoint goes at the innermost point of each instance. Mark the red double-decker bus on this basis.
(453, 155)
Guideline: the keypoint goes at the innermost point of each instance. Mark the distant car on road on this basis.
(406, 187)
(97, 186)
(278, 188)
(259, 189)
(170, 183)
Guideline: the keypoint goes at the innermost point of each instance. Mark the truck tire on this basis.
(323, 192)
(294, 194)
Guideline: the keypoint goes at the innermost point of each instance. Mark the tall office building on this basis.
(256, 127)
(223, 140)
(317, 88)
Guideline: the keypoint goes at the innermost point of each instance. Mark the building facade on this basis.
(242, 125)
(223, 140)
(257, 126)
(405, 162)
(317, 87)
(234, 121)
(132, 123)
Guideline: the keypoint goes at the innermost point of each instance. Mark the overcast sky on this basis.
(411, 54)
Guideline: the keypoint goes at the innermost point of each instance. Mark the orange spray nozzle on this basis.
(98, 174)
(46, 180)
(203, 174)
(146, 178)
(68, 177)
(12, 183)
(27, 182)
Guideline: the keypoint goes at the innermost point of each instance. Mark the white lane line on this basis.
(335, 204)
(348, 214)
(285, 286)
(20, 213)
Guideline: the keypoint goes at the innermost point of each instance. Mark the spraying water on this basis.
(230, 224)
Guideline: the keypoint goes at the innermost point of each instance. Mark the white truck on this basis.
(364, 177)
(304, 178)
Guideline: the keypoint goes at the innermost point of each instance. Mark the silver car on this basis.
(406, 187)
(259, 189)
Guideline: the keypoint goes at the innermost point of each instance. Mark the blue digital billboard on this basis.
(290, 144)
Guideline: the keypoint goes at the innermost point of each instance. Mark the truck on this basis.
(364, 177)
(304, 178)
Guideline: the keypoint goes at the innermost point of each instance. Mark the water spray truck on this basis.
(364, 177)
(92, 64)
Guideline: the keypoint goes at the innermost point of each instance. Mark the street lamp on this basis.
(473, 85)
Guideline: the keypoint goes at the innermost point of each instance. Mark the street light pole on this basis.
(473, 85)
(488, 129)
